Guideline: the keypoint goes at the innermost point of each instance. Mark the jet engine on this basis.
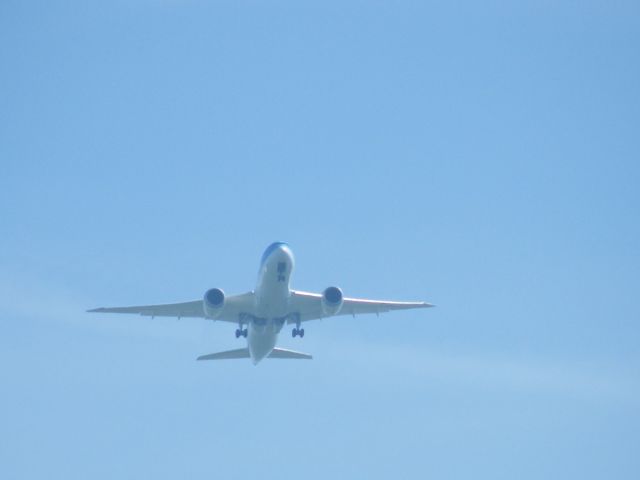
(213, 303)
(332, 300)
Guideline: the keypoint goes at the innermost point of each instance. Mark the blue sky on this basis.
(483, 157)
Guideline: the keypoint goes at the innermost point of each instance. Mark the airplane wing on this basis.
(309, 306)
(234, 306)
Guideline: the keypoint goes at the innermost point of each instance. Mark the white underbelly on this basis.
(272, 302)
(262, 340)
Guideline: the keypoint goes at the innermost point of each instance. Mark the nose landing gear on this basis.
(241, 333)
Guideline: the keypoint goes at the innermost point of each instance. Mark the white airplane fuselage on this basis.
(272, 295)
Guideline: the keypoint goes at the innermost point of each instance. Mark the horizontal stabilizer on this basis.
(282, 353)
(238, 353)
(244, 353)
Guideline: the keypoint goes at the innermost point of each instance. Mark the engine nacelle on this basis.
(332, 300)
(213, 303)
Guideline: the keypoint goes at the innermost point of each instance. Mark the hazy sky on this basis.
(483, 156)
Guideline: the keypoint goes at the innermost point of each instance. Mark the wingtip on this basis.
(94, 310)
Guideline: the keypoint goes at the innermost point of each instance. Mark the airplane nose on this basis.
(276, 248)
(279, 252)
(282, 247)
(284, 251)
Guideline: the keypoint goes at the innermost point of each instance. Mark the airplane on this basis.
(262, 313)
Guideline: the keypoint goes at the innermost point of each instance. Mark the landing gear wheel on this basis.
(301, 332)
(245, 332)
(294, 332)
(238, 333)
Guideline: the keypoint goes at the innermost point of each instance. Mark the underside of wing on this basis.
(185, 309)
(234, 306)
(309, 306)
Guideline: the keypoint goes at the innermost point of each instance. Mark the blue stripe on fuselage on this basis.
(270, 249)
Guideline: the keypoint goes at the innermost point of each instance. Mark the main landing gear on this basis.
(241, 333)
(297, 331)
